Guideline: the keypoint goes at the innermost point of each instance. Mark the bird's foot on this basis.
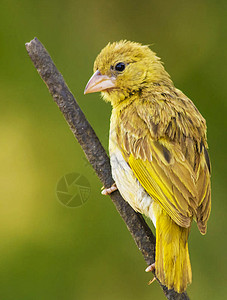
(110, 190)
(150, 269)
(151, 281)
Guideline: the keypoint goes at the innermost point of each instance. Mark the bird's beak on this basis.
(99, 82)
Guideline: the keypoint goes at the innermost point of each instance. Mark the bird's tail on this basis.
(172, 263)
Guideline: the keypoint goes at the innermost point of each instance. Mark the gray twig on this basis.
(94, 152)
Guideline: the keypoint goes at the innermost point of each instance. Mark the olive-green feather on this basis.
(170, 163)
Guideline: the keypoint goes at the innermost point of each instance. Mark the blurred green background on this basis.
(49, 251)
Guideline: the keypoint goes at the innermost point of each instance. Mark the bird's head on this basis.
(125, 68)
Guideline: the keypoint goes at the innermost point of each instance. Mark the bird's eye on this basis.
(120, 67)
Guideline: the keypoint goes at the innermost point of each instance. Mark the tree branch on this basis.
(94, 152)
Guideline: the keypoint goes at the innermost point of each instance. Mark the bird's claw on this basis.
(151, 268)
(151, 281)
(110, 190)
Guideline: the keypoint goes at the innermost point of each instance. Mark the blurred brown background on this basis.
(49, 251)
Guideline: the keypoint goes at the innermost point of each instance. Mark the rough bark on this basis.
(94, 152)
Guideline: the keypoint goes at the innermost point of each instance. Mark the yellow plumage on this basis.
(172, 263)
(158, 151)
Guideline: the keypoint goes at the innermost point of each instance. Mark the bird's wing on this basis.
(173, 171)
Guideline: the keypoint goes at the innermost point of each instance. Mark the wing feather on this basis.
(168, 155)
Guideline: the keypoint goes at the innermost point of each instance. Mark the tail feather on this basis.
(172, 263)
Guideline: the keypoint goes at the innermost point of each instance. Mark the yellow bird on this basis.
(158, 152)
